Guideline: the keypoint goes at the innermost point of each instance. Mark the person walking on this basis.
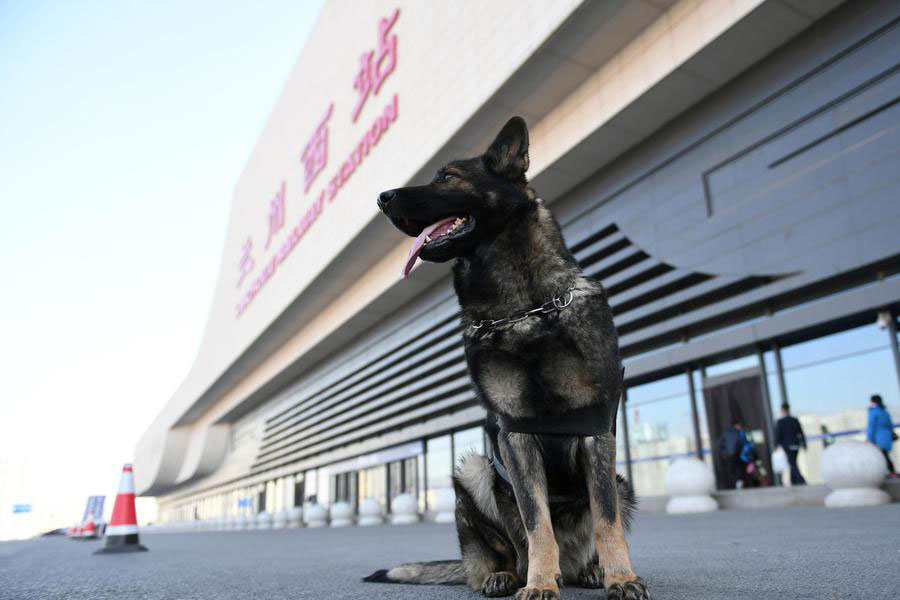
(730, 445)
(789, 435)
(881, 431)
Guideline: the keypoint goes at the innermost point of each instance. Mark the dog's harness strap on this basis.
(587, 421)
(500, 469)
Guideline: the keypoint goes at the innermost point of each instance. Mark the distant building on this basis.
(729, 170)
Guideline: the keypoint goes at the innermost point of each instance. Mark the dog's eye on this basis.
(445, 177)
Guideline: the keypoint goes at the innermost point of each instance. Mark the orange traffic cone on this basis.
(89, 531)
(122, 530)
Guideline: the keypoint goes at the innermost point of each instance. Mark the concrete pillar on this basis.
(295, 516)
(445, 507)
(341, 514)
(264, 520)
(370, 512)
(690, 483)
(404, 510)
(315, 515)
(855, 471)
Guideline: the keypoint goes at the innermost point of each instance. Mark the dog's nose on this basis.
(384, 198)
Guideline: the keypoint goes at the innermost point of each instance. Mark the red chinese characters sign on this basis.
(375, 66)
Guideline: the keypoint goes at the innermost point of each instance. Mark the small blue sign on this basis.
(245, 502)
(21, 508)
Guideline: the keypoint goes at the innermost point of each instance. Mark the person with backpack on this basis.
(880, 431)
(731, 445)
(789, 435)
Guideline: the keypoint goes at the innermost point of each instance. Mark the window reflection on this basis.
(660, 428)
(829, 381)
(438, 468)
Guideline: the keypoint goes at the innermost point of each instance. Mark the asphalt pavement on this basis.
(773, 553)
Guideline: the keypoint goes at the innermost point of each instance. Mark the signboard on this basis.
(21, 508)
(94, 508)
(375, 66)
(245, 502)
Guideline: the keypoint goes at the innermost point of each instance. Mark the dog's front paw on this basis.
(527, 593)
(591, 577)
(627, 588)
(503, 583)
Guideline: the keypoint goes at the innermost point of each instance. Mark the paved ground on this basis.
(774, 553)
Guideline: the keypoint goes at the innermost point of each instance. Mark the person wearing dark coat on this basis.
(789, 435)
(881, 431)
(730, 445)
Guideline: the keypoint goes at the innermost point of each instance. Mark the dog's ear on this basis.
(508, 154)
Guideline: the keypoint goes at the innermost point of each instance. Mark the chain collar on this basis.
(556, 304)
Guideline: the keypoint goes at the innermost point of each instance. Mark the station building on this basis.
(729, 169)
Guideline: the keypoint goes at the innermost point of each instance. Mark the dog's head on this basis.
(468, 201)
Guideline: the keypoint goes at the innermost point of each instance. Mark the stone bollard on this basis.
(855, 471)
(404, 510)
(242, 522)
(280, 520)
(445, 507)
(231, 522)
(370, 512)
(295, 516)
(264, 520)
(341, 514)
(315, 515)
(221, 523)
(690, 482)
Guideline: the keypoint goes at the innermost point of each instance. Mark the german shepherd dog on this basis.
(547, 508)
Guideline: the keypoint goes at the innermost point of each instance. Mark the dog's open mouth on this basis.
(437, 233)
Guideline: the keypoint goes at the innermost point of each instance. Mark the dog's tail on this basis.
(436, 572)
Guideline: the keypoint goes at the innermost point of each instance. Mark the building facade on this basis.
(730, 170)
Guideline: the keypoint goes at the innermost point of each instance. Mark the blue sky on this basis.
(125, 127)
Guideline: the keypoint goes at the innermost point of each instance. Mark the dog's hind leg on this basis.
(487, 553)
(524, 461)
(599, 454)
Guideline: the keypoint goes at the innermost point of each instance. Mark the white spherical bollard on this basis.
(370, 512)
(295, 516)
(315, 515)
(280, 520)
(341, 514)
(242, 523)
(690, 482)
(445, 507)
(264, 520)
(855, 471)
(404, 510)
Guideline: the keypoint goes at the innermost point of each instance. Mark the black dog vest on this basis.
(580, 422)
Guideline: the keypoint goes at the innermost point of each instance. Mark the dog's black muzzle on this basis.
(385, 198)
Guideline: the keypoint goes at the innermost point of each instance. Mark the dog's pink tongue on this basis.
(419, 243)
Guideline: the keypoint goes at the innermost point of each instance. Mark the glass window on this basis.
(439, 467)
(829, 381)
(299, 493)
(660, 428)
(373, 484)
(468, 441)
